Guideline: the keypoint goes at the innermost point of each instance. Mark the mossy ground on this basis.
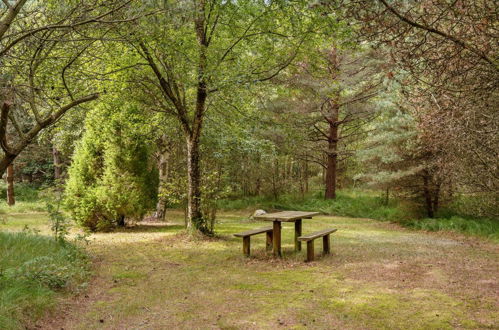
(155, 276)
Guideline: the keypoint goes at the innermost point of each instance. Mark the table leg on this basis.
(276, 240)
(297, 234)
(326, 245)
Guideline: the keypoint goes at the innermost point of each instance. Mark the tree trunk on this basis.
(427, 195)
(332, 155)
(57, 163)
(333, 120)
(163, 170)
(194, 214)
(121, 221)
(436, 198)
(10, 185)
(306, 176)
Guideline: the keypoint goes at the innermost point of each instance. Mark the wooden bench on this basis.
(246, 235)
(310, 242)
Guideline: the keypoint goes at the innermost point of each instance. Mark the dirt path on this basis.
(380, 276)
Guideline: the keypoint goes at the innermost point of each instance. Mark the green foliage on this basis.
(112, 175)
(32, 269)
(24, 192)
(59, 223)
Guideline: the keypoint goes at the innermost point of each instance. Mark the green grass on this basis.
(23, 192)
(33, 269)
(368, 204)
(483, 227)
(379, 277)
(154, 276)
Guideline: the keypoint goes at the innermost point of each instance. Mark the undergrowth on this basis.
(33, 269)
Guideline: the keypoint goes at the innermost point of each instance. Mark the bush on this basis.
(32, 270)
(112, 176)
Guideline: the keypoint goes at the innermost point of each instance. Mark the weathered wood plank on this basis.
(276, 241)
(317, 234)
(310, 251)
(285, 216)
(326, 245)
(298, 232)
(269, 241)
(254, 232)
(246, 245)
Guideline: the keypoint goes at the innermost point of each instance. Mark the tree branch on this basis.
(440, 33)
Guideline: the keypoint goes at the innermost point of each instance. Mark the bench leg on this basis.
(297, 234)
(310, 250)
(276, 241)
(246, 245)
(269, 241)
(326, 244)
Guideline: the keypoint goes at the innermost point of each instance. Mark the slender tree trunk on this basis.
(56, 155)
(163, 171)
(258, 176)
(332, 155)
(436, 198)
(333, 120)
(10, 185)
(427, 195)
(306, 176)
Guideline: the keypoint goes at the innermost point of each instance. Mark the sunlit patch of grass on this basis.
(22, 207)
(17, 222)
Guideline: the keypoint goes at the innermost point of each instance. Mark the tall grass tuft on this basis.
(480, 227)
(33, 269)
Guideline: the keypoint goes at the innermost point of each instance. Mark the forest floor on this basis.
(153, 276)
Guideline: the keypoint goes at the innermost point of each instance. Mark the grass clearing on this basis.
(379, 276)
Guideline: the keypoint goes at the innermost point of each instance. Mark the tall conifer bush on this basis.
(112, 177)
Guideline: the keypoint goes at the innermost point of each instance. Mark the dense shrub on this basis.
(112, 176)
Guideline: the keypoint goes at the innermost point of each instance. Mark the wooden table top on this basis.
(286, 216)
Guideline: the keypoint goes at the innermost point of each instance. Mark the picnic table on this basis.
(285, 216)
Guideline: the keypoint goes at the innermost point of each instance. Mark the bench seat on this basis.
(254, 232)
(246, 235)
(310, 242)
